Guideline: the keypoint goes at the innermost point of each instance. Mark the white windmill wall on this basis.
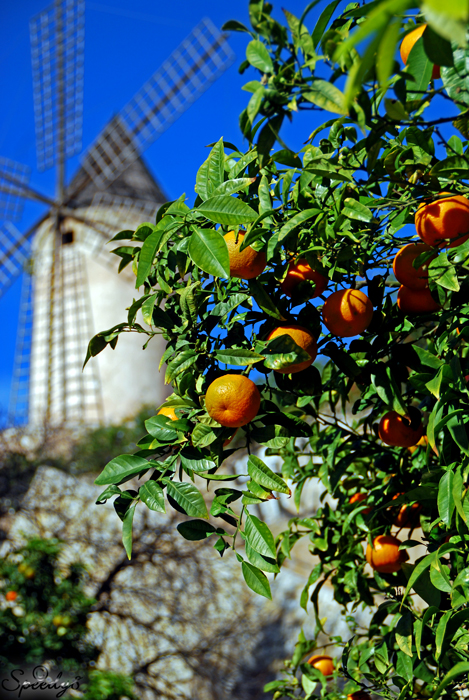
(128, 375)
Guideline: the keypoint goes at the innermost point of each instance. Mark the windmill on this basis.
(65, 257)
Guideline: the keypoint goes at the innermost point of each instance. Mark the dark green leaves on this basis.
(208, 250)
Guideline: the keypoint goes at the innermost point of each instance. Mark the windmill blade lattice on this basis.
(13, 178)
(14, 252)
(183, 77)
(57, 50)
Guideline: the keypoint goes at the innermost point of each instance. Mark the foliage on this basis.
(106, 685)
(48, 617)
(342, 202)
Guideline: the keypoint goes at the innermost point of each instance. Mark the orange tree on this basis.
(326, 222)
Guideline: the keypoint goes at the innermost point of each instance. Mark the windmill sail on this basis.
(184, 76)
(57, 52)
(68, 285)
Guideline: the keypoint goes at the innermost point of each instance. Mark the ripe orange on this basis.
(300, 271)
(385, 556)
(407, 515)
(408, 43)
(246, 264)
(444, 221)
(358, 498)
(168, 411)
(411, 301)
(403, 269)
(11, 595)
(347, 312)
(304, 339)
(323, 663)
(398, 431)
(233, 400)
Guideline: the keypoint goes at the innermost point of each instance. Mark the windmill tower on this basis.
(69, 277)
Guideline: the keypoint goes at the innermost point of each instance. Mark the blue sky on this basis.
(124, 44)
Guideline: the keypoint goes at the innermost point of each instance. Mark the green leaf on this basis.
(211, 173)
(261, 297)
(188, 497)
(427, 358)
(457, 429)
(327, 96)
(264, 563)
(259, 536)
(259, 57)
(238, 356)
(460, 669)
(355, 210)
(261, 474)
(437, 48)
(233, 186)
(322, 22)
(179, 364)
(147, 309)
(194, 530)
(127, 530)
(452, 168)
(256, 580)
(153, 496)
(420, 68)
(439, 577)
(404, 634)
(386, 51)
(296, 220)
(196, 460)
(228, 211)
(445, 498)
(147, 254)
(208, 250)
(108, 492)
(255, 103)
(160, 427)
(417, 571)
(282, 352)
(121, 469)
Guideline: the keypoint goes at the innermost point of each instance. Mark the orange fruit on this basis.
(358, 498)
(233, 400)
(405, 273)
(385, 556)
(248, 263)
(300, 271)
(397, 431)
(11, 595)
(304, 339)
(347, 312)
(322, 663)
(411, 301)
(408, 43)
(168, 411)
(407, 515)
(444, 221)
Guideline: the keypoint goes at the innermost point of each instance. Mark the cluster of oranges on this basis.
(444, 222)
(325, 664)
